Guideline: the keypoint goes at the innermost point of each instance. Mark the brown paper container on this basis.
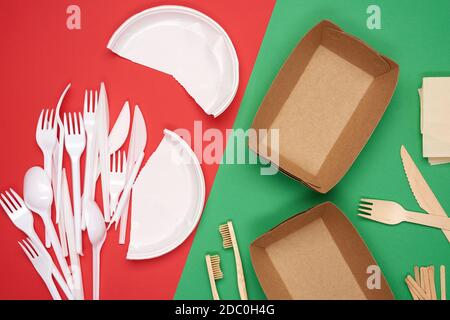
(326, 101)
(315, 255)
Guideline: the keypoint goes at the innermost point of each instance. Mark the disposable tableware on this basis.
(119, 132)
(57, 167)
(422, 285)
(102, 123)
(316, 255)
(75, 265)
(75, 141)
(421, 190)
(60, 217)
(38, 196)
(46, 140)
(208, 68)
(443, 284)
(46, 137)
(96, 229)
(22, 218)
(42, 264)
(390, 212)
(117, 178)
(138, 140)
(127, 190)
(89, 119)
(167, 200)
(323, 105)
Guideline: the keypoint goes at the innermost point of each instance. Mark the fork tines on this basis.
(45, 122)
(12, 202)
(365, 206)
(75, 127)
(90, 102)
(29, 248)
(118, 163)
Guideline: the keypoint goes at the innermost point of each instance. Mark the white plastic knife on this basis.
(119, 132)
(138, 140)
(102, 119)
(59, 155)
(57, 166)
(420, 188)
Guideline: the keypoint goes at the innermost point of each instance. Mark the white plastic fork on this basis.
(117, 178)
(75, 141)
(46, 140)
(126, 191)
(89, 124)
(22, 218)
(46, 137)
(42, 265)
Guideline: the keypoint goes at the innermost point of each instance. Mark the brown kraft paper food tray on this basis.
(315, 255)
(326, 101)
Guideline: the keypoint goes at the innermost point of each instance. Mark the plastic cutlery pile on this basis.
(47, 187)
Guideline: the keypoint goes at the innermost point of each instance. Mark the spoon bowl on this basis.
(95, 224)
(38, 196)
(96, 228)
(38, 192)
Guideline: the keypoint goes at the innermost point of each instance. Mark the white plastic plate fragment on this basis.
(167, 200)
(186, 44)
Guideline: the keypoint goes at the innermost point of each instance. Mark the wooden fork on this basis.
(392, 213)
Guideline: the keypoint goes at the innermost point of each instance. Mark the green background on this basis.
(416, 35)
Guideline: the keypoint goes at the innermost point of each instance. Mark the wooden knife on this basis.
(420, 188)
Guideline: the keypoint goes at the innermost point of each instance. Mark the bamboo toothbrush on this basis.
(229, 241)
(214, 273)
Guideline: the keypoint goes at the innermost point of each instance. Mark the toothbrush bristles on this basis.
(226, 236)
(215, 263)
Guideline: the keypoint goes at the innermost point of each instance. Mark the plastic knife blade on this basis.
(138, 140)
(420, 188)
(119, 132)
(102, 121)
(139, 133)
(59, 155)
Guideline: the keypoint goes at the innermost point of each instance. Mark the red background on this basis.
(39, 56)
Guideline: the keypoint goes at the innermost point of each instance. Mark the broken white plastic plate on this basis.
(186, 44)
(167, 201)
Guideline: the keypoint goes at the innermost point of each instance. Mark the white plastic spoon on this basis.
(95, 225)
(38, 196)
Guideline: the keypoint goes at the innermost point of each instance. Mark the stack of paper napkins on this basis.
(435, 119)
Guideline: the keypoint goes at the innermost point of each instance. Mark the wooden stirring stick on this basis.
(443, 288)
(423, 285)
(426, 282)
(417, 289)
(417, 274)
(432, 282)
(413, 291)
